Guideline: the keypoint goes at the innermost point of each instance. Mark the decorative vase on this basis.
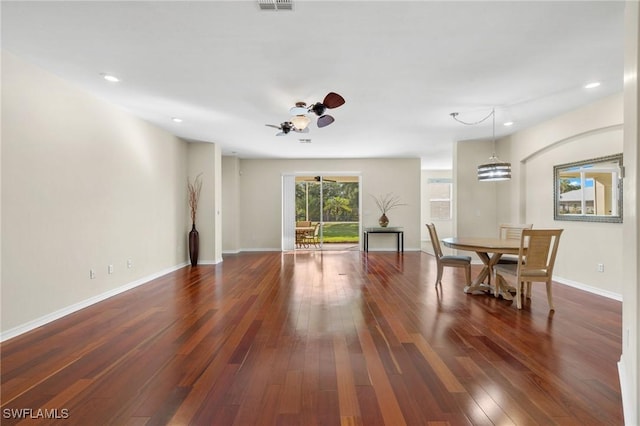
(194, 244)
(383, 221)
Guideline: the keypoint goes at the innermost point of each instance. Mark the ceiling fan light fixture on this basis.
(300, 122)
(299, 109)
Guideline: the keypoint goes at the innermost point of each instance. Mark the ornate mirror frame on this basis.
(589, 190)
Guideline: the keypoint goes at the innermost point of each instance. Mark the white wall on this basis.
(84, 186)
(230, 204)
(261, 197)
(578, 259)
(589, 132)
(204, 159)
(476, 202)
(629, 364)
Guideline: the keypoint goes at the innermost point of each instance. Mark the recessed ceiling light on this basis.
(110, 78)
(508, 123)
(176, 120)
(592, 85)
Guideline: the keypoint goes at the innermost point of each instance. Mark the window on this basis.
(440, 199)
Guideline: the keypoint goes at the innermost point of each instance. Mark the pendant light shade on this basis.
(300, 122)
(494, 170)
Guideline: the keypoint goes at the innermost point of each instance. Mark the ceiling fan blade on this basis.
(325, 120)
(333, 100)
(280, 134)
(273, 125)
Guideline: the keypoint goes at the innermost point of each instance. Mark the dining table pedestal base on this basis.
(483, 247)
(504, 289)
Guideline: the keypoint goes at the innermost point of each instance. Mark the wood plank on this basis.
(316, 338)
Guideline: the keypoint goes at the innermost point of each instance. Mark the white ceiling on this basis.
(227, 68)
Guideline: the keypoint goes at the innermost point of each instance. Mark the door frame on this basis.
(289, 204)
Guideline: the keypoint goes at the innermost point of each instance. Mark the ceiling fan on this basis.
(287, 127)
(318, 179)
(300, 121)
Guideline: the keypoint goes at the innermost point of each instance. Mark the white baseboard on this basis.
(230, 251)
(588, 288)
(210, 262)
(21, 329)
(629, 407)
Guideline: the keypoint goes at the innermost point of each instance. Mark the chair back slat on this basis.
(513, 232)
(536, 258)
(434, 240)
(539, 248)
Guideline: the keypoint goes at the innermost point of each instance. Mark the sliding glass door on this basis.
(327, 211)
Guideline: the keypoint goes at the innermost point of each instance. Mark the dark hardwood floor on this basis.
(306, 338)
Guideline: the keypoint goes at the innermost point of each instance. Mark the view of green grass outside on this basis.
(340, 232)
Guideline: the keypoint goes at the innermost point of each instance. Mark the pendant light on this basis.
(495, 170)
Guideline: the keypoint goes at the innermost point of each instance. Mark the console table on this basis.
(395, 230)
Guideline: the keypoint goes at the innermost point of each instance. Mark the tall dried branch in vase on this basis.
(194, 195)
(386, 203)
(194, 237)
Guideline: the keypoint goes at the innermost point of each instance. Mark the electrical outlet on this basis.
(110, 269)
(129, 263)
(92, 274)
(600, 267)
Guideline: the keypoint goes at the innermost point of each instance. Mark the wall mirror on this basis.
(589, 190)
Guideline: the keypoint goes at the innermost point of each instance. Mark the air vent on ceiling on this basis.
(275, 4)
(305, 140)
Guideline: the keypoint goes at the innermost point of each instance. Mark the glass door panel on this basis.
(327, 212)
(340, 212)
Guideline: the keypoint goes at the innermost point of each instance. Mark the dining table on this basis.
(489, 250)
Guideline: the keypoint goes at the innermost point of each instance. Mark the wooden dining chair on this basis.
(536, 258)
(511, 232)
(453, 261)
